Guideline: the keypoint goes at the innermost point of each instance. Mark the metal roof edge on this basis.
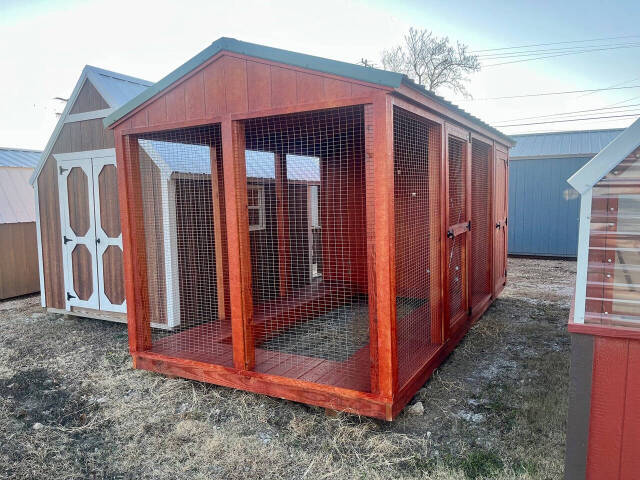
(428, 93)
(564, 132)
(559, 156)
(303, 60)
(608, 158)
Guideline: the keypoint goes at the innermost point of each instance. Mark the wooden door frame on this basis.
(97, 164)
(77, 158)
(464, 136)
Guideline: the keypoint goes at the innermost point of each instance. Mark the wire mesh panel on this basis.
(308, 246)
(457, 215)
(613, 275)
(182, 210)
(480, 221)
(416, 157)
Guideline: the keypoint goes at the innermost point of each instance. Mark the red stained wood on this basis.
(607, 404)
(385, 246)
(335, 89)
(283, 87)
(282, 387)
(176, 107)
(135, 260)
(194, 97)
(157, 111)
(233, 147)
(235, 77)
(629, 458)
(217, 226)
(140, 119)
(258, 86)
(310, 88)
(214, 89)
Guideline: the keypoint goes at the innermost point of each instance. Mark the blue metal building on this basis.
(543, 208)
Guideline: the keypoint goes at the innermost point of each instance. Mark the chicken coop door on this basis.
(501, 233)
(91, 235)
(458, 230)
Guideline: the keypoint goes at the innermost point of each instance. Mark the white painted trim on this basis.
(609, 158)
(89, 239)
(43, 295)
(79, 117)
(85, 155)
(98, 163)
(584, 233)
(170, 237)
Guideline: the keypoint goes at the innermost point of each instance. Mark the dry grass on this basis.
(495, 409)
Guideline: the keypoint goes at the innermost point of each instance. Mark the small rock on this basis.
(416, 409)
(37, 426)
(477, 418)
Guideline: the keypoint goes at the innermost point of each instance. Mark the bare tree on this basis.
(432, 61)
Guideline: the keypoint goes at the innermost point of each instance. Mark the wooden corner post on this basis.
(133, 243)
(379, 132)
(235, 186)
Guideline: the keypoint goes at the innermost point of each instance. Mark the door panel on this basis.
(108, 235)
(458, 230)
(75, 182)
(500, 243)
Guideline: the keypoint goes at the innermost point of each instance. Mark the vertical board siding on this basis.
(543, 208)
(18, 259)
(629, 457)
(232, 85)
(607, 407)
(88, 100)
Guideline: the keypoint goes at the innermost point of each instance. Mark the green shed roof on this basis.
(311, 62)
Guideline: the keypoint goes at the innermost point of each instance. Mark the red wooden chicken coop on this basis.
(321, 232)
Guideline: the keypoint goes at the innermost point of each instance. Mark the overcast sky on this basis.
(44, 46)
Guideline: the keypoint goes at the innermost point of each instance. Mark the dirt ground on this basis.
(72, 407)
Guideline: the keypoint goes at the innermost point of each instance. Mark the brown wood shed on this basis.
(75, 182)
(333, 230)
(18, 249)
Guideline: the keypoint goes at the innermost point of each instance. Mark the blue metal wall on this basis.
(543, 208)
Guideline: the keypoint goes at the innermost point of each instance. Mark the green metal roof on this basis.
(311, 62)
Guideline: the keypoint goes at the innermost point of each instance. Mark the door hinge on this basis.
(506, 222)
(62, 170)
(66, 240)
(450, 234)
(469, 225)
(470, 137)
(470, 311)
(69, 296)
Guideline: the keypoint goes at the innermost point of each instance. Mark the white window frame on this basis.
(260, 207)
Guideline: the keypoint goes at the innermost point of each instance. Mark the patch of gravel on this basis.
(71, 406)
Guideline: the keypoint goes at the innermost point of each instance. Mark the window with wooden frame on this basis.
(255, 202)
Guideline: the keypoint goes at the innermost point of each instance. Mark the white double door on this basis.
(91, 232)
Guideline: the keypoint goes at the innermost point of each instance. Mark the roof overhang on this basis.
(608, 158)
(351, 71)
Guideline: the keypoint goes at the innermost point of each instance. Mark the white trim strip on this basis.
(43, 295)
(85, 155)
(583, 256)
(79, 117)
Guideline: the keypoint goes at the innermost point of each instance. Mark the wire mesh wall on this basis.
(457, 214)
(613, 275)
(481, 221)
(416, 157)
(307, 226)
(182, 210)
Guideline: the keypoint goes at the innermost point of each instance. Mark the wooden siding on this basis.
(74, 137)
(154, 238)
(18, 259)
(614, 429)
(236, 85)
(88, 100)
